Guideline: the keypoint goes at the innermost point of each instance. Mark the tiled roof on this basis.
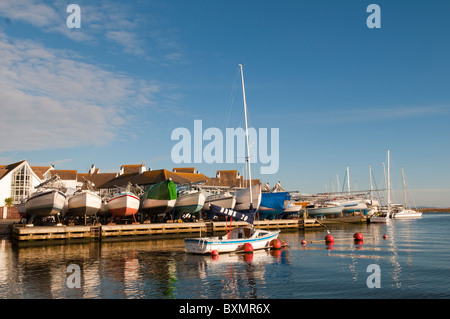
(64, 174)
(184, 169)
(97, 179)
(40, 170)
(5, 169)
(152, 177)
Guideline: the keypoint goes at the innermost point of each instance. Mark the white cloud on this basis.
(49, 99)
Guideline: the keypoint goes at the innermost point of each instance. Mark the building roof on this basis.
(41, 170)
(230, 178)
(133, 168)
(153, 177)
(5, 169)
(64, 174)
(97, 179)
(184, 170)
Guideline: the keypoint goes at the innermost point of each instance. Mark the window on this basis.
(20, 184)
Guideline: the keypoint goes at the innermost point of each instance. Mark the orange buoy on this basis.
(303, 242)
(358, 236)
(275, 243)
(248, 248)
(329, 238)
(385, 237)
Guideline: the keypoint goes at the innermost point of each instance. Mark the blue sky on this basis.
(112, 92)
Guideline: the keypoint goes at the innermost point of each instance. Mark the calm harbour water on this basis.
(414, 262)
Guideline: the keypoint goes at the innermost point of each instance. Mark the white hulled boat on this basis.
(123, 204)
(225, 200)
(189, 202)
(46, 202)
(243, 198)
(405, 212)
(246, 205)
(84, 203)
(232, 242)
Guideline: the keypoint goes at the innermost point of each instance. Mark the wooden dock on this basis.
(21, 233)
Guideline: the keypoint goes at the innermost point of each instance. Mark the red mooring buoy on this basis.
(385, 237)
(329, 238)
(303, 242)
(214, 253)
(358, 236)
(275, 243)
(248, 248)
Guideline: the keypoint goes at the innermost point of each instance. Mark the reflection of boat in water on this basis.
(232, 242)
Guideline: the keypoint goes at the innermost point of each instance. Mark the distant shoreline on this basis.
(434, 210)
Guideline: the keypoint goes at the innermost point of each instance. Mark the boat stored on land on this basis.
(84, 203)
(46, 202)
(160, 198)
(188, 203)
(123, 204)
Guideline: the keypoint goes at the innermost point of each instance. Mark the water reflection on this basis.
(162, 269)
(232, 276)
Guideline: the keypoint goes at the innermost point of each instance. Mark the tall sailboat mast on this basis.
(247, 158)
(388, 185)
(404, 187)
(371, 188)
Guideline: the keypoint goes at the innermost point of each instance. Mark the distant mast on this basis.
(388, 185)
(247, 158)
(348, 180)
(404, 187)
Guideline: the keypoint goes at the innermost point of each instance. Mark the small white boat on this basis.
(123, 204)
(320, 211)
(291, 209)
(45, 202)
(84, 203)
(225, 200)
(407, 213)
(232, 242)
(243, 198)
(189, 202)
(378, 219)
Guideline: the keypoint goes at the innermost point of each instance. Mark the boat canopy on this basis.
(165, 190)
(274, 200)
